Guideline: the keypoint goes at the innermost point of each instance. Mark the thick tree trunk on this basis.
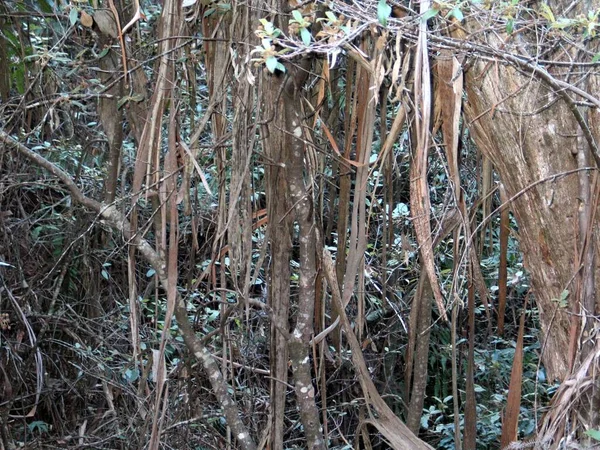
(530, 133)
(528, 142)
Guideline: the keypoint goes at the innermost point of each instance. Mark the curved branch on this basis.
(119, 222)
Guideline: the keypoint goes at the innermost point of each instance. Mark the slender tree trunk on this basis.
(280, 233)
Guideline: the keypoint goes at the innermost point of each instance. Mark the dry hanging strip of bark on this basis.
(579, 383)
(447, 111)
(119, 223)
(161, 391)
(397, 434)
(419, 190)
(510, 422)
(417, 353)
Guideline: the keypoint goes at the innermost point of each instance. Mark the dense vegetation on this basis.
(298, 224)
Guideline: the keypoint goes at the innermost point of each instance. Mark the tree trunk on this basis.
(525, 148)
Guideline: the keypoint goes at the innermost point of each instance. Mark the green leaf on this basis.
(594, 434)
(46, 6)
(38, 425)
(137, 98)
(596, 58)
(280, 67)
(150, 273)
(122, 101)
(297, 16)
(563, 299)
(383, 12)
(510, 24)
(271, 63)
(73, 16)
(131, 375)
(104, 52)
(266, 43)
(19, 77)
(563, 23)
(547, 13)
(430, 14)
(306, 36)
(104, 274)
(12, 39)
(457, 14)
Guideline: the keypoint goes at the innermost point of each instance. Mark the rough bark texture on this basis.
(526, 147)
(530, 133)
(303, 331)
(280, 234)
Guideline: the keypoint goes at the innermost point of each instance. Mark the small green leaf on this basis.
(457, 14)
(137, 98)
(280, 67)
(596, 58)
(271, 63)
(510, 24)
(563, 23)
(104, 274)
(73, 16)
(430, 14)
(594, 434)
(19, 77)
(306, 36)
(131, 375)
(39, 425)
(104, 52)
(383, 12)
(547, 13)
(150, 273)
(563, 298)
(45, 6)
(297, 16)
(122, 101)
(12, 39)
(266, 43)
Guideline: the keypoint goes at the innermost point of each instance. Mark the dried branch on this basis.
(119, 223)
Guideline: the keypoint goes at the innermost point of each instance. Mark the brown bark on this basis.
(420, 330)
(524, 149)
(280, 233)
(301, 198)
(525, 120)
(111, 119)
